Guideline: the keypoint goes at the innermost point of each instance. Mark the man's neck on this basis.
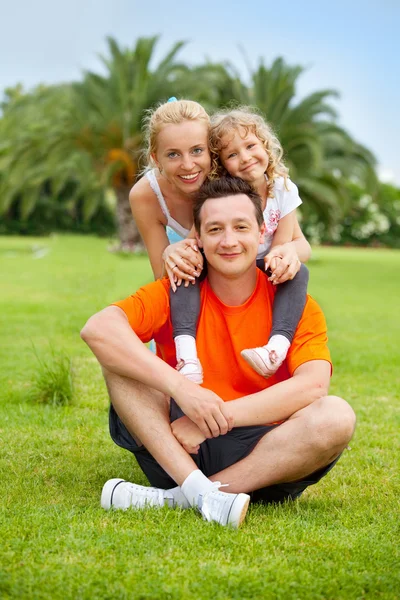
(233, 291)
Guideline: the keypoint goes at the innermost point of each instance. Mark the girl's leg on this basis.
(185, 310)
(289, 304)
(288, 307)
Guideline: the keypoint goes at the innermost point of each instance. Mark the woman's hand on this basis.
(183, 261)
(283, 262)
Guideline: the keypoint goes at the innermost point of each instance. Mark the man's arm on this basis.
(310, 382)
(119, 350)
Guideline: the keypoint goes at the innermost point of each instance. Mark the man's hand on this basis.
(188, 434)
(204, 408)
(284, 263)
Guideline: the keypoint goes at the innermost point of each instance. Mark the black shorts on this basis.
(214, 455)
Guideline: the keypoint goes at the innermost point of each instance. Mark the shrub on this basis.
(367, 222)
(53, 383)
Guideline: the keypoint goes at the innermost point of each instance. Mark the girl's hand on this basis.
(283, 262)
(182, 261)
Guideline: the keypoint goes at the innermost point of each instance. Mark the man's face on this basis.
(230, 234)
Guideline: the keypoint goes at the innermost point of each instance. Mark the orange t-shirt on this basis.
(223, 331)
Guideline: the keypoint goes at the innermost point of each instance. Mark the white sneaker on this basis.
(265, 362)
(121, 494)
(225, 509)
(191, 368)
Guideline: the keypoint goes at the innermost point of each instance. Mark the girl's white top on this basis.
(283, 203)
(175, 231)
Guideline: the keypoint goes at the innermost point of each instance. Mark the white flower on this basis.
(336, 232)
(364, 201)
(382, 223)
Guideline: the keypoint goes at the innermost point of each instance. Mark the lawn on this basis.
(340, 540)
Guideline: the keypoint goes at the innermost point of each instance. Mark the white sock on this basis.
(185, 346)
(196, 483)
(280, 344)
(178, 497)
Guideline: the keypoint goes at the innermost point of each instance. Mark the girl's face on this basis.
(182, 155)
(244, 155)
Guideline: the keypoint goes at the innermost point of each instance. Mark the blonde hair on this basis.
(227, 121)
(168, 113)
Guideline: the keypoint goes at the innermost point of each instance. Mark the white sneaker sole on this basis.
(238, 510)
(256, 363)
(107, 493)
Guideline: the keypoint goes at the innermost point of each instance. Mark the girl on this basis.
(247, 148)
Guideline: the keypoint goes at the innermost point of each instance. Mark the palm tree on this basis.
(320, 154)
(88, 132)
(81, 139)
(27, 130)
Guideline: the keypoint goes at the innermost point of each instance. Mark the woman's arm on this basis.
(149, 220)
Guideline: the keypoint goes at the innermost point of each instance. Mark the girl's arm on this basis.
(288, 231)
(289, 249)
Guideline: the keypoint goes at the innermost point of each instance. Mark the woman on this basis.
(179, 162)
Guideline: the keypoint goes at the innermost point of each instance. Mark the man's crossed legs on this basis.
(271, 463)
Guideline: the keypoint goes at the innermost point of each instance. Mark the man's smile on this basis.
(229, 255)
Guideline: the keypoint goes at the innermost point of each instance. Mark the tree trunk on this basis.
(128, 234)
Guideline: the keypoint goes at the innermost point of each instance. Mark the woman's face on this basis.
(182, 155)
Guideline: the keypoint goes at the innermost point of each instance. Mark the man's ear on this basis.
(198, 240)
(262, 233)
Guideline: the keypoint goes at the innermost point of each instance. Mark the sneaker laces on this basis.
(211, 503)
(145, 496)
(188, 361)
(274, 358)
(191, 368)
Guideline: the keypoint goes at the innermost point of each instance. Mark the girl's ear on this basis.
(198, 240)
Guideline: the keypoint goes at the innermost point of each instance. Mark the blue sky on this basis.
(351, 46)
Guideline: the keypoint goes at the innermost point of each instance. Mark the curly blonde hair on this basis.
(168, 113)
(229, 121)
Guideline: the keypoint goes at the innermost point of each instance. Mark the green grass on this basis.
(53, 379)
(340, 540)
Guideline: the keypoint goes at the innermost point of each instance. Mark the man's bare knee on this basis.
(135, 403)
(332, 424)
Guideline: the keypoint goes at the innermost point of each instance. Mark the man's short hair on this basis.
(221, 188)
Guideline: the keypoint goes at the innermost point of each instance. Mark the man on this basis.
(270, 438)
